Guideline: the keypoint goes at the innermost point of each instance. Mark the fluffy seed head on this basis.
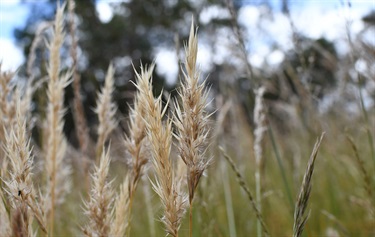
(191, 119)
(97, 209)
(106, 111)
(160, 137)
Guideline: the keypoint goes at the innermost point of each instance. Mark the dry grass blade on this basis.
(97, 209)
(303, 198)
(240, 39)
(106, 111)
(244, 186)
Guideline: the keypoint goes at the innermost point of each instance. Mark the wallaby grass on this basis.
(340, 201)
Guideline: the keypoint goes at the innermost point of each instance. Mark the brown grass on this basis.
(79, 115)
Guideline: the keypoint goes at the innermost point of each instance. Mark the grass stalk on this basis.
(244, 186)
(260, 130)
(191, 120)
(366, 177)
(56, 147)
(365, 116)
(300, 218)
(160, 137)
(258, 200)
(121, 216)
(281, 167)
(191, 220)
(79, 115)
(135, 140)
(228, 202)
(150, 214)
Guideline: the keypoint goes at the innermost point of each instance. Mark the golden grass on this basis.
(172, 151)
(191, 120)
(57, 171)
(106, 111)
(98, 207)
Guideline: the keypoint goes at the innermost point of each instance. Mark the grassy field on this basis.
(180, 169)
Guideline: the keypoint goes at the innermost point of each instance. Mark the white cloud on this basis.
(105, 11)
(10, 56)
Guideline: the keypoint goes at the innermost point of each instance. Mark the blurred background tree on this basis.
(136, 29)
(309, 72)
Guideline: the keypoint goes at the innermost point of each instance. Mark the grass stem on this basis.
(281, 167)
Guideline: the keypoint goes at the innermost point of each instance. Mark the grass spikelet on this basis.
(244, 186)
(259, 132)
(137, 134)
(160, 137)
(4, 216)
(57, 170)
(300, 218)
(19, 186)
(5, 89)
(135, 140)
(97, 209)
(106, 111)
(121, 215)
(191, 119)
(366, 177)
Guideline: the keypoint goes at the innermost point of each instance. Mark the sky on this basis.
(314, 18)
